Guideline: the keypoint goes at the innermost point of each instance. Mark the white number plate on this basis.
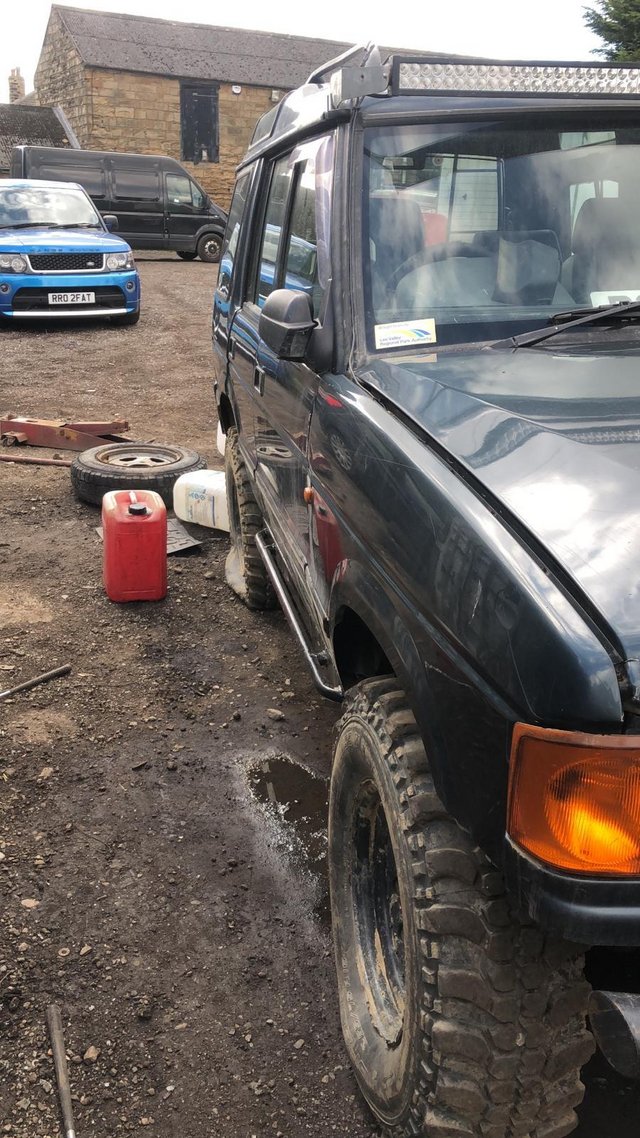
(72, 298)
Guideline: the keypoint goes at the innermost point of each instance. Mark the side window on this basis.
(179, 190)
(90, 177)
(272, 231)
(197, 196)
(232, 232)
(301, 264)
(137, 185)
(299, 202)
(199, 122)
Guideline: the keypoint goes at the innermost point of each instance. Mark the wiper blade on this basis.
(33, 225)
(562, 321)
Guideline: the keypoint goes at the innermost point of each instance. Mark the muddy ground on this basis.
(153, 882)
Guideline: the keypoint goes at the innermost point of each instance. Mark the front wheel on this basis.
(459, 1019)
(244, 568)
(209, 247)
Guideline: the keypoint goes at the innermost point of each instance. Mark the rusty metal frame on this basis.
(58, 434)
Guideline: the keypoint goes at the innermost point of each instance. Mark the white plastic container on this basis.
(201, 498)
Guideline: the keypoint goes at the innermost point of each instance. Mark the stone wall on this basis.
(121, 110)
(141, 113)
(60, 79)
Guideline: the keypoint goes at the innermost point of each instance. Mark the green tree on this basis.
(617, 22)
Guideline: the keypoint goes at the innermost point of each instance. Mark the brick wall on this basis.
(60, 79)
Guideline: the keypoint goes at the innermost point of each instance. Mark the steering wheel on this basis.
(432, 253)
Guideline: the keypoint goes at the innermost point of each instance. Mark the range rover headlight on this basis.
(12, 263)
(117, 261)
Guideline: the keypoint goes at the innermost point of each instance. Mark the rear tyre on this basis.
(245, 572)
(127, 320)
(459, 1019)
(186, 256)
(209, 247)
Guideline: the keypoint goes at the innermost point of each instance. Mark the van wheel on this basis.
(209, 247)
(244, 570)
(458, 1017)
(186, 256)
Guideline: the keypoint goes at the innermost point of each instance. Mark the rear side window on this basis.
(232, 232)
(137, 185)
(90, 177)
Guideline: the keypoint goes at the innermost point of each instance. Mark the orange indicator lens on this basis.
(574, 799)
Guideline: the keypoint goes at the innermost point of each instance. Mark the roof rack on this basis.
(440, 75)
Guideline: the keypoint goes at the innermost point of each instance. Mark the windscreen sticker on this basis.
(617, 297)
(402, 333)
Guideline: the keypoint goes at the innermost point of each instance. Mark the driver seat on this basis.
(396, 233)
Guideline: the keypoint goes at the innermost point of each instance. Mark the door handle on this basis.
(258, 379)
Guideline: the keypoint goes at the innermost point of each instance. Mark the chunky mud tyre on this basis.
(460, 1020)
(209, 247)
(244, 570)
(131, 466)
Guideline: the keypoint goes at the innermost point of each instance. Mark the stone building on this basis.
(153, 86)
(37, 126)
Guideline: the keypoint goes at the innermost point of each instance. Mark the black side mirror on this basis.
(286, 323)
(110, 221)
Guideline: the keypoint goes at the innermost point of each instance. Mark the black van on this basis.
(158, 205)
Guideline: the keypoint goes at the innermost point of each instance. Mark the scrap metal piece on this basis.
(55, 433)
(43, 679)
(35, 460)
(54, 1023)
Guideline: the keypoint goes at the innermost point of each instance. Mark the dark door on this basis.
(138, 201)
(285, 391)
(186, 211)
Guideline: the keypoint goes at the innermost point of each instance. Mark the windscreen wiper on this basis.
(562, 321)
(32, 225)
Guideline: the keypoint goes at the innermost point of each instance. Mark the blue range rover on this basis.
(58, 258)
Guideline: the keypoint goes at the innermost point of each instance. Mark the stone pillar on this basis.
(16, 85)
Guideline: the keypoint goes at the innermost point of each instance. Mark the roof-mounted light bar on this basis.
(418, 76)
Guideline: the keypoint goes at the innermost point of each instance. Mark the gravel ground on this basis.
(178, 919)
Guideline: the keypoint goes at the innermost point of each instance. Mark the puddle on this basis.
(297, 800)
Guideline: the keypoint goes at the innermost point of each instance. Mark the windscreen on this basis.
(59, 207)
(480, 230)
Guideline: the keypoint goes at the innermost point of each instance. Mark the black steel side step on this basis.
(282, 593)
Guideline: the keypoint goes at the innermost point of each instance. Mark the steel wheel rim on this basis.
(138, 457)
(212, 246)
(377, 910)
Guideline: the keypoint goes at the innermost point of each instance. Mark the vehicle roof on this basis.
(375, 89)
(70, 153)
(36, 183)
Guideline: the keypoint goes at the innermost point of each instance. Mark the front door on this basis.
(186, 207)
(294, 229)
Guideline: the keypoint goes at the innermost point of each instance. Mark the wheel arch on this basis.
(369, 629)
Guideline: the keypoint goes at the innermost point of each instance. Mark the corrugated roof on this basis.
(36, 126)
(197, 51)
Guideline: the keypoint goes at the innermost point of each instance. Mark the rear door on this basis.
(138, 195)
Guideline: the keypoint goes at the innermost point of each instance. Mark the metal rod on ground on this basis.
(43, 679)
(54, 1023)
(34, 460)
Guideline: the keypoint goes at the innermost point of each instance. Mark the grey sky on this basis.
(545, 29)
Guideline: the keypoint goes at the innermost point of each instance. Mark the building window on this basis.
(199, 122)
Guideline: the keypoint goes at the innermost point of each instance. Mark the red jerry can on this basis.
(134, 528)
